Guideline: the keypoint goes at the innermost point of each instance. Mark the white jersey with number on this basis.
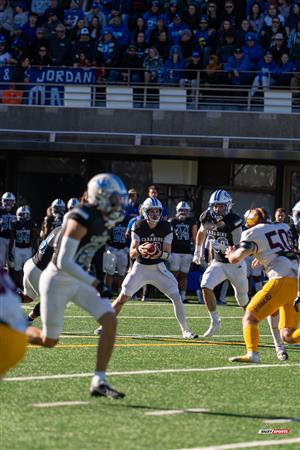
(272, 242)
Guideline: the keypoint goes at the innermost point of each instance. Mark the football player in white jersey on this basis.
(149, 267)
(271, 246)
(7, 218)
(296, 226)
(222, 228)
(66, 277)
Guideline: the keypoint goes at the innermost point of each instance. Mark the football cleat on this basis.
(248, 358)
(98, 331)
(186, 334)
(282, 354)
(213, 329)
(104, 390)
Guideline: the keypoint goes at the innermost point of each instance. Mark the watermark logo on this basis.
(274, 431)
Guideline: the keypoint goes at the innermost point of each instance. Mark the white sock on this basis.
(183, 295)
(179, 311)
(214, 316)
(273, 322)
(98, 378)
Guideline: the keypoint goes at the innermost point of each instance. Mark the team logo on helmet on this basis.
(182, 210)
(23, 213)
(296, 214)
(58, 206)
(220, 204)
(8, 200)
(152, 209)
(72, 203)
(256, 216)
(108, 193)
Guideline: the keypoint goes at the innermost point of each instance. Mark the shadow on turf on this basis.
(209, 413)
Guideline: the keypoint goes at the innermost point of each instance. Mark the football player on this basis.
(222, 228)
(270, 244)
(72, 203)
(184, 234)
(66, 277)
(7, 218)
(296, 235)
(22, 243)
(54, 217)
(150, 268)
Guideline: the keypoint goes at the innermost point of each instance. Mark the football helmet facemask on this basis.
(8, 200)
(296, 215)
(58, 206)
(72, 203)
(108, 194)
(152, 209)
(182, 210)
(23, 213)
(256, 216)
(220, 204)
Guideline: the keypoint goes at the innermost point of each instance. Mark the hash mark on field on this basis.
(152, 372)
(252, 444)
(171, 412)
(55, 404)
(286, 420)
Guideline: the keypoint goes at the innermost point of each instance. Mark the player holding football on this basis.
(270, 244)
(149, 267)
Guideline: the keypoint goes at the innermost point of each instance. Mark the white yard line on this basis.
(154, 317)
(253, 444)
(152, 372)
(172, 412)
(272, 421)
(150, 336)
(56, 404)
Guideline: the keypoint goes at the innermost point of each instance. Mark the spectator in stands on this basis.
(226, 51)
(60, 47)
(55, 8)
(265, 76)
(153, 65)
(5, 56)
(225, 27)
(173, 9)
(6, 17)
(83, 46)
(193, 75)
(160, 26)
(253, 50)
(29, 29)
(137, 26)
(213, 16)
(295, 80)
(120, 31)
(284, 7)
(132, 209)
(280, 216)
(187, 44)
(272, 12)
(73, 14)
(96, 12)
(41, 57)
(51, 24)
(232, 14)
(242, 31)
(284, 71)
(173, 70)
(74, 34)
(21, 15)
(295, 49)
(94, 29)
(291, 22)
(175, 29)
(17, 49)
(131, 61)
(238, 67)
(12, 95)
(126, 9)
(151, 16)
(206, 39)
(163, 45)
(268, 33)
(278, 47)
(39, 6)
(38, 42)
(256, 18)
(108, 51)
(191, 17)
(212, 73)
(141, 46)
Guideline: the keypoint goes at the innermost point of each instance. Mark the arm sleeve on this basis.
(66, 262)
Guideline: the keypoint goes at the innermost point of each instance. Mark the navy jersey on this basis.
(7, 218)
(97, 234)
(220, 233)
(182, 234)
(117, 234)
(155, 235)
(45, 251)
(23, 233)
(51, 222)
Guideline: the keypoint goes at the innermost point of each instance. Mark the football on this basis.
(151, 248)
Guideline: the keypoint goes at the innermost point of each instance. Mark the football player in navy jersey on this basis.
(150, 268)
(184, 234)
(66, 277)
(54, 218)
(222, 228)
(22, 243)
(7, 218)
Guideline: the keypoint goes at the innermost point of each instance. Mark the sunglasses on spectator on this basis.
(228, 6)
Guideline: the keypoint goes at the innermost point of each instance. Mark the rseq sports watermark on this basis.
(274, 431)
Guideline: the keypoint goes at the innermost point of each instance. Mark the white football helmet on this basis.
(152, 209)
(58, 206)
(8, 200)
(182, 210)
(23, 213)
(108, 193)
(72, 203)
(296, 214)
(221, 198)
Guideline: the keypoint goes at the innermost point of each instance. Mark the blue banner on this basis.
(62, 75)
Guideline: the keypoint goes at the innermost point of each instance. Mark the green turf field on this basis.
(179, 394)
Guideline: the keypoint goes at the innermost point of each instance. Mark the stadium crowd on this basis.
(237, 42)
